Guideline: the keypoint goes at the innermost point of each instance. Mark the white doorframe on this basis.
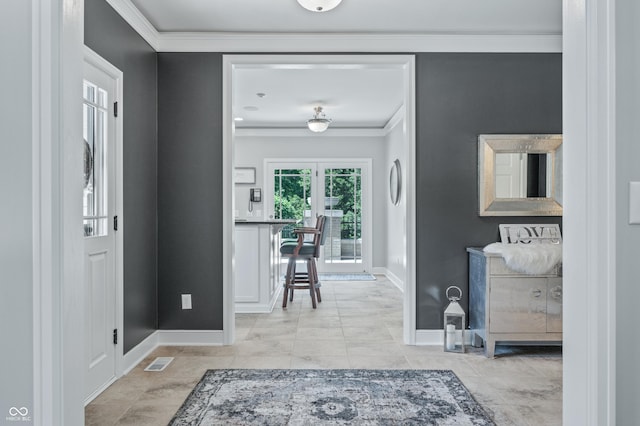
(367, 195)
(407, 64)
(589, 225)
(102, 64)
(58, 297)
(57, 65)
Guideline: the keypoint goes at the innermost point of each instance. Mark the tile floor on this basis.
(357, 325)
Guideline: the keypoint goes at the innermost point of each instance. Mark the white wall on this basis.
(16, 209)
(628, 236)
(250, 151)
(395, 256)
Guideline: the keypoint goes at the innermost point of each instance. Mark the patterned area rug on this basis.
(330, 397)
(346, 277)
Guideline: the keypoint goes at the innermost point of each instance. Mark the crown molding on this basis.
(396, 119)
(132, 15)
(332, 42)
(373, 43)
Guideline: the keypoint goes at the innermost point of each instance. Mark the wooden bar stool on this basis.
(307, 251)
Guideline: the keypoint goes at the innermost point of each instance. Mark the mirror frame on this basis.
(395, 182)
(488, 147)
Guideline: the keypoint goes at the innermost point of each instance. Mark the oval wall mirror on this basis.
(395, 182)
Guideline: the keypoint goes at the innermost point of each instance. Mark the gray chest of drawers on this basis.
(509, 306)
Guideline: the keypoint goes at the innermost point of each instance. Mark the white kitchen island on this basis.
(257, 264)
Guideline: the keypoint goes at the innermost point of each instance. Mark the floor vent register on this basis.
(159, 363)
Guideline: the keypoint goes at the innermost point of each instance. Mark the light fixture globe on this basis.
(319, 5)
(319, 123)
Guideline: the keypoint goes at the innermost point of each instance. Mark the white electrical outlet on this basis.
(186, 301)
(634, 203)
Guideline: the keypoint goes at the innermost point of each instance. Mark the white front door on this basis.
(99, 131)
(511, 175)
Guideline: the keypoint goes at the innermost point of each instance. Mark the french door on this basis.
(337, 189)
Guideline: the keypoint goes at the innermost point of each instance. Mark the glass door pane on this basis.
(336, 189)
(292, 197)
(95, 113)
(343, 208)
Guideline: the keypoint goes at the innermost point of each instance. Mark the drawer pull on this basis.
(536, 292)
(556, 292)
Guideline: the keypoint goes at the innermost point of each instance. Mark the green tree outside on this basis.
(293, 191)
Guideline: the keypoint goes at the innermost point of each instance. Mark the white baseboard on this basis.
(258, 308)
(103, 388)
(169, 338)
(436, 337)
(390, 275)
(190, 337)
(429, 337)
(139, 352)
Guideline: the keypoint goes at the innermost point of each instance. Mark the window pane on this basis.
(89, 91)
(292, 197)
(94, 205)
(343, 200)
(102, 98)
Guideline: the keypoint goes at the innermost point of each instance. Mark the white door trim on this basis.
(57, 40)
(407, 64)
(589, 213)
(103, 65)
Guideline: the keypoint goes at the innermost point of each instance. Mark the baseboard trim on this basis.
(436, 337)
(429, 337)
(103, 388)
(190, 337)
(259, 308)
(391, 276)
(139, 352)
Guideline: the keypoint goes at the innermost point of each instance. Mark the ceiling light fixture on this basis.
(319, 123)
(319, 5)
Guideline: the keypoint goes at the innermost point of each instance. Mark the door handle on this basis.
(536, 292)
(556, 292)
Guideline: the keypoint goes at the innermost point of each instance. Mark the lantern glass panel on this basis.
(454, 333)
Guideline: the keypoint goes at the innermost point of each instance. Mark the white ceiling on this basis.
(356, 16)
(362, 98)
(352, 98)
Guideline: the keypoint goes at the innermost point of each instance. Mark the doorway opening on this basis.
(403, 121)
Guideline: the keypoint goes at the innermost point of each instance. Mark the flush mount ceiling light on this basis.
(319, 123)
(319, 5)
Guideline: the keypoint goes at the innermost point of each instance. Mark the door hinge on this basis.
(115, 223)
(115, 109)
(115, 336)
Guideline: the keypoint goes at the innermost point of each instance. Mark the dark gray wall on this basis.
(190, 189)
(113, 39)
(460, 96)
